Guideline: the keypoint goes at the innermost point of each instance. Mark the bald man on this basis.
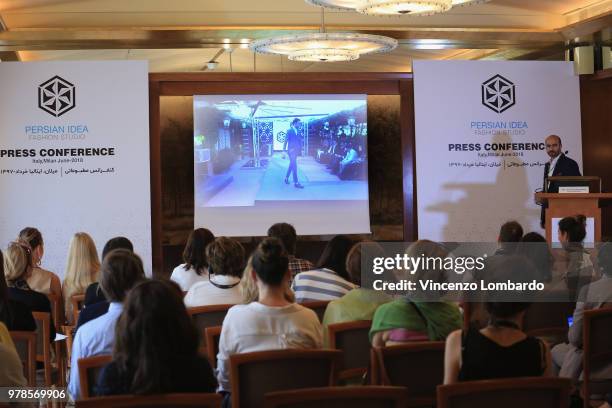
(558, 165)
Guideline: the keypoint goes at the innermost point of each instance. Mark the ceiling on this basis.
(182, 35)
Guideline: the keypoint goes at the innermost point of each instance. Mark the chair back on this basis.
(538, 392)
(255, 374)
(89, 371)
(158, 400)
(77, 302)
(548, 320)
(334, 397)
(208, 316)
(25, 344)
(597, 348)
(43, 347)
(57, 310)
(418, 366)
(352, 338)
(212, 336)
(318, 307)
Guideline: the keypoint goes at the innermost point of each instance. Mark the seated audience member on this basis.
(534, 247)
(40, 280)
(411, 318)
(11, 369)
(17, 268)
(272, 322)
(15, 315)
(225, 267)
(156, 346)
(579, 272)
(120, 272)
(248, 286)
(95, 304)
(82, 270)
(359, 303)
(501, 349)
(510, 234)
(330, 280)
(287, 235)
(568, 357)
(351, 157)
(195, 268)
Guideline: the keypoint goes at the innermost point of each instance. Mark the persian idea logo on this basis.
(56, 96)
(498, 93)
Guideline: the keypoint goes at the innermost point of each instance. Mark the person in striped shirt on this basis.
(330, 280)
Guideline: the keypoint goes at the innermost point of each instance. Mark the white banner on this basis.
(74, 154)
(480, 130)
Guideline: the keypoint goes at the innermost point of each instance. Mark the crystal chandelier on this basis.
(324, 46)
(387, 7)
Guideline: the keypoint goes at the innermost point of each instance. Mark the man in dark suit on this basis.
(558, 165)
(293, 146)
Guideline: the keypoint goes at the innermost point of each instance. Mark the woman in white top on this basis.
(40, 280)
(82, 269)
(271, 323)
(225, 266)
(195, 268)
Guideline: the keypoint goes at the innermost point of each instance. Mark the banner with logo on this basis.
(480, 152)
(74, 154)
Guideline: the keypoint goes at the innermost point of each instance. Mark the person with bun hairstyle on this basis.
(40, 279)
(579, 272)
(270, 323)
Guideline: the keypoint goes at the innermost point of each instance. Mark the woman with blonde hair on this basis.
(82, 269)
(40, 279)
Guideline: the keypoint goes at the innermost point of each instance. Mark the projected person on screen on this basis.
(293, 146)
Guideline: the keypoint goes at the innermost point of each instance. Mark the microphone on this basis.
(566, 152)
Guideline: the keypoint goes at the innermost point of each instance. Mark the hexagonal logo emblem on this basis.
(498, 94)
(56, 96)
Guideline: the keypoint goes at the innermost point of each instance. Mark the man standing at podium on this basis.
(558, 165)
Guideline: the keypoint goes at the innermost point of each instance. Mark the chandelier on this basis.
(324, 46)
(387, 7)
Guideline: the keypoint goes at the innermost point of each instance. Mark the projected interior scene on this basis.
(256, 149)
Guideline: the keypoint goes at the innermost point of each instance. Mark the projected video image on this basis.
(251, 150)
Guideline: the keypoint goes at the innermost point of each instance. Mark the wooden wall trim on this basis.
(278, 77)
(156, 178)
(407, 126)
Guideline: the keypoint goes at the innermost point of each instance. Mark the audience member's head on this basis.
(154, 336)
(510, 231)
(534, 247)
(334, 255)
(604, 258)
(117, 243)
(572, 229)
(225, 257)
(83, 263)
(433, 270)
(271, 263)
(17, 261)
(361, 250)
(34, 239)
(286, 234)
(121, 271)
(194, 254)
(248, 286)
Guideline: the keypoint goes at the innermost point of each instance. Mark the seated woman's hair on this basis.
(604, 258)
(513, 268)
(225, 257)
(154, 336)
(194, 254)
(120, 271)
(334, 255)
(362, 251)
(17, 261)
(574, 227)
(117, 243)
(534, 247)
(270, 261)
(31, 236)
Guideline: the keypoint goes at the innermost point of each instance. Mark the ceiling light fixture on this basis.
(324, 46)
(397, 7)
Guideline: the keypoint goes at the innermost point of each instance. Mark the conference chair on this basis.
(525, 392)
(334, 397)
(208, 316)
(43, 347)
(158, 400)
(418, 366)
(57, 310)
(68, 331)
(318, 307)
(212, 336)
(255, 374)
(25, 344)
(548, 320)
(597, 350)
(352, 338)
(89, 371)
(77, 302)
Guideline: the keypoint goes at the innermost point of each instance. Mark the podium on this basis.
(569, 204)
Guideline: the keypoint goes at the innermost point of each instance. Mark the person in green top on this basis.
(406, 319)
(359, 303)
